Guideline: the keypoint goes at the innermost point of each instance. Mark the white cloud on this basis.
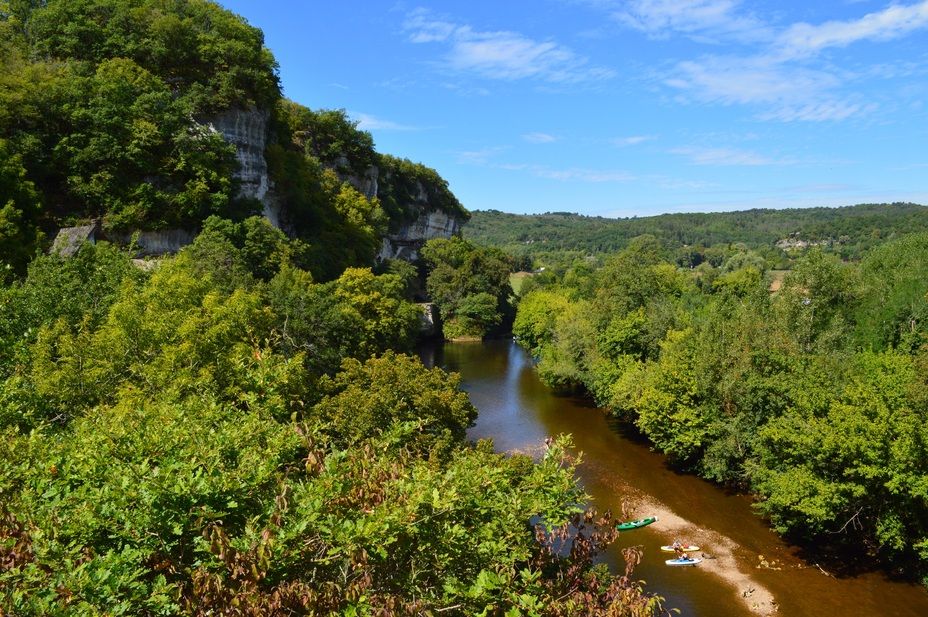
(539, 138)
(707, 19)
(803, 39)
(787, 92)
(631, 141)
(728, 157)
(584, 175)
(480, 157)
(820, 111)
(367, 122)
(483, 157)
(729, 79)
(502, 55)
(779, 71)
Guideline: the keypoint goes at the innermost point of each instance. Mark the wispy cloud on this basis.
(584, 175)
(502, 55)
(539, 138)
(728, 157)
(706, 20)
(482, 156)
(804, 39)
(367, 122)
(730, 79)
(485, 156)
(631, 141)
(784, 76)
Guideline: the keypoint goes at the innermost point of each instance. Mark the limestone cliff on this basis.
(247, 130)
(406, 242)
(423, 221)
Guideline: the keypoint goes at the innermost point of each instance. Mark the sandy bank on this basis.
(723, 563)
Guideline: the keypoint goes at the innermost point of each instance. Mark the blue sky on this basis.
(624, 107)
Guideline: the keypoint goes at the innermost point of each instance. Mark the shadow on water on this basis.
(845, 559)
(517, 411)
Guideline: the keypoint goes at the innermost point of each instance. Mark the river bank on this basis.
(723, 558)
(755, 571)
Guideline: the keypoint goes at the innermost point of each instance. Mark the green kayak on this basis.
(641, 522)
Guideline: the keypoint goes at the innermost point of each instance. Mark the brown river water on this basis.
(752, 572)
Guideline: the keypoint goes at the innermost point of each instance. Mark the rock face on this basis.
(154, 243)
(247, 130)
(366, 183)
(429, 322)
(406, 242)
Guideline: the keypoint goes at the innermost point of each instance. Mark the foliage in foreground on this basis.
(179, 442)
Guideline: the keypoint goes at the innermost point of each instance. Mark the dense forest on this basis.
(777, 235)
(813, 396)
(222, 435)
(105, 113)
(240, 429)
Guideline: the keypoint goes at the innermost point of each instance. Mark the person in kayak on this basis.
(678, 551)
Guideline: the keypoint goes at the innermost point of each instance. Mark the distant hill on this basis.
(849, 231)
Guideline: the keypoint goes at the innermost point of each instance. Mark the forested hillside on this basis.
(848, 232)
(239, 429)
(107, 109)
(813, 397)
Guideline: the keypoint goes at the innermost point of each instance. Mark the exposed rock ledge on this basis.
(247, 130)
(154, 243)
(405, 243)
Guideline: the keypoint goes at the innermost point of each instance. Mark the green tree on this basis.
(388, 320)
(817, 301)
(851, 460)
(458, 272)
(672, 409)
(892, 310)
(75, 290)
(537, 317)
(364, 400)
(20, 207)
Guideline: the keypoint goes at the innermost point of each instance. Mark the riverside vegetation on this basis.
(201, 440)
(813, 397)
(239, 429)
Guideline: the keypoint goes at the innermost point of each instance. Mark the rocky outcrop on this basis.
(247, 130)
(154, 243)
(406, 242)
(366, 183)
(429, 323)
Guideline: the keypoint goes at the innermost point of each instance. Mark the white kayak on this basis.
(686, 561)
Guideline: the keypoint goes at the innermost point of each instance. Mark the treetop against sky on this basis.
(622, 108)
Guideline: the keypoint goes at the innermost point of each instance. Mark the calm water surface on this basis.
(518, 412)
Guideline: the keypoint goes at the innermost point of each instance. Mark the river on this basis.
(753, 571)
